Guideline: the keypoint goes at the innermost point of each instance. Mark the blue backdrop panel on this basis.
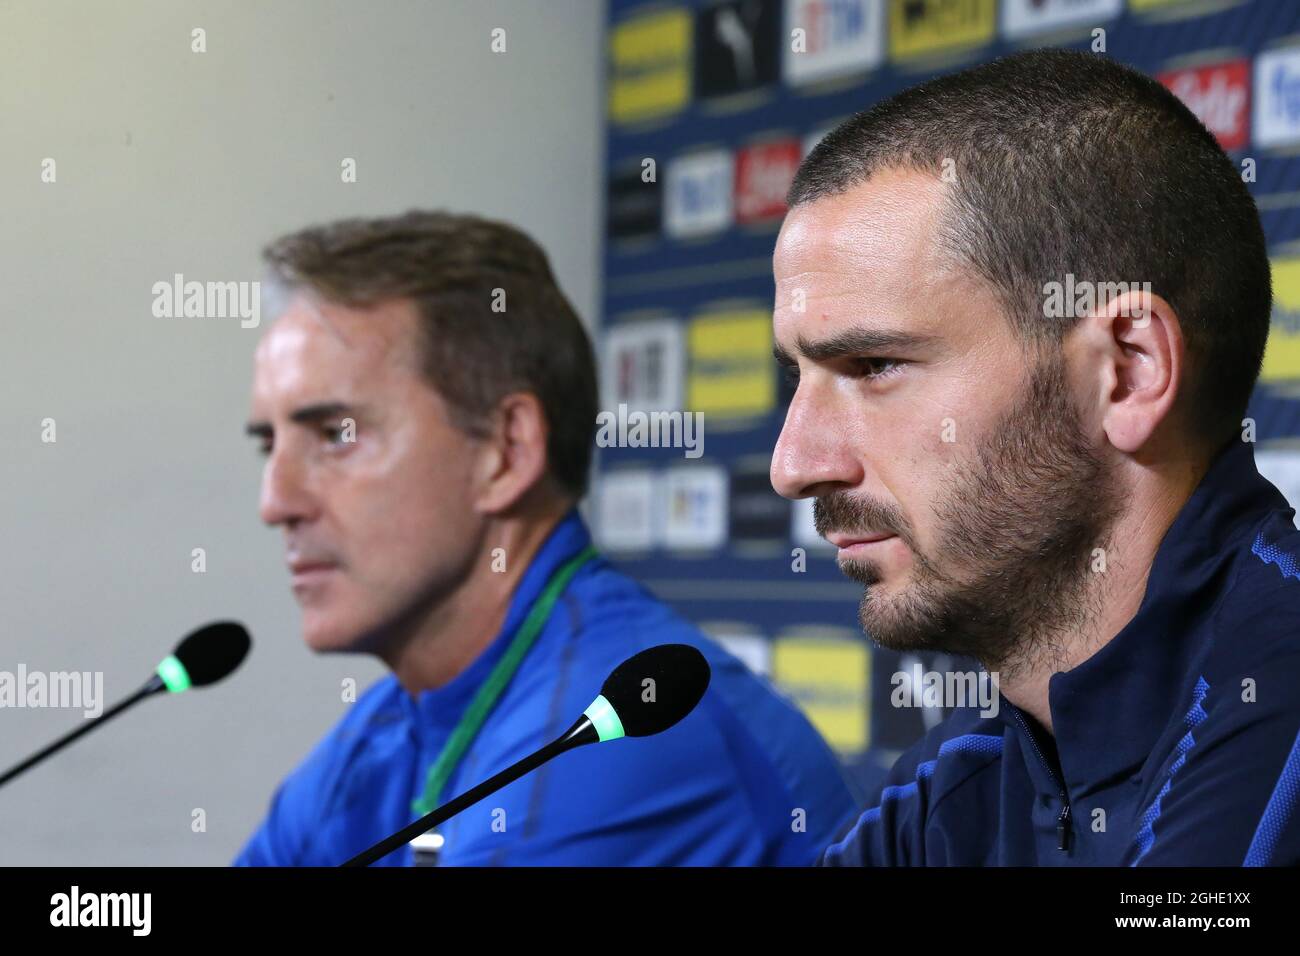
(711, 105)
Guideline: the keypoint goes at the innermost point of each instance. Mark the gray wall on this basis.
(172, 161)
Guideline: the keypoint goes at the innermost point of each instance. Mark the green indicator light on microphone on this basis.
(175, 676)
(604, 718)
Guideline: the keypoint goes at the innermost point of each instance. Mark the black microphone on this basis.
(204, 657)
(646, 694)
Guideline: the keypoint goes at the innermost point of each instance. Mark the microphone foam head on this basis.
(656, 688)
(212, 652)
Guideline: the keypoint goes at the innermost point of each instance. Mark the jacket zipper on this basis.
(1063, 820)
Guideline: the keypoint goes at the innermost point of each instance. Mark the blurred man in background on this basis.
(1052, 482)
(427, 403)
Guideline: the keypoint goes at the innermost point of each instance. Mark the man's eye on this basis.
(332, 434)
(876, 369)
(791, 373)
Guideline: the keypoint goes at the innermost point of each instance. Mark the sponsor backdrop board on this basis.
(709, 110)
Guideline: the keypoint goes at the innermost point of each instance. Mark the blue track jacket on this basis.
(744, 779)
(1175, 744)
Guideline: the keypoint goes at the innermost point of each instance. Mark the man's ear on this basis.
(1143, 362)
(514, 459)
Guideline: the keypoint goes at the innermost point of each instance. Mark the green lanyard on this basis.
(471, 722)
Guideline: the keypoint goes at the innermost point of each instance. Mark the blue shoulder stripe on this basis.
(1270, 553)
(1278, 813)
(1146, 837)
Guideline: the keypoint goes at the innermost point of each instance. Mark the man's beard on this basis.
(1012, 574)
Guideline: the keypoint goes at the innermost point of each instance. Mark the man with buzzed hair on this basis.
(1060, 489)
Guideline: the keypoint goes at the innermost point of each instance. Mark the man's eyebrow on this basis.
(321, 411)
(782, 357)
(852, 342)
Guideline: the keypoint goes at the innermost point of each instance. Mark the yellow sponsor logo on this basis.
(1152, 4)
(830, 680)
(732, 373)
(650, 66)
(918, 27)
(1282, 357)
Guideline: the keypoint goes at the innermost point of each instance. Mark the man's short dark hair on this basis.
(1068, 162)
(451, 267)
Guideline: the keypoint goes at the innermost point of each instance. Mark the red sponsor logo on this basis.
(1219, 94)
(763, 175)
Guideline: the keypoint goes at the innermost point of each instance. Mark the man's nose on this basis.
(814, 454)
(285, 497)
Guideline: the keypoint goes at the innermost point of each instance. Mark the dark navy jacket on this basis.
(742, 780)
(1175, 744)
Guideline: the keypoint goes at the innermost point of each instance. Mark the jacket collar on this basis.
(1109, 711)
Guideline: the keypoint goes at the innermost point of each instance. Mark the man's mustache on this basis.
(841, 511)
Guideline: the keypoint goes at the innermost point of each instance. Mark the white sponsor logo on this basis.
(626, 515)
(700, 188)
(643, 365)
(1277, 97)
(695, 502)
(838, 38)
(1024, 17)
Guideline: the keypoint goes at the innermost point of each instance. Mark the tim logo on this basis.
(832, 23)
(832, 39)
